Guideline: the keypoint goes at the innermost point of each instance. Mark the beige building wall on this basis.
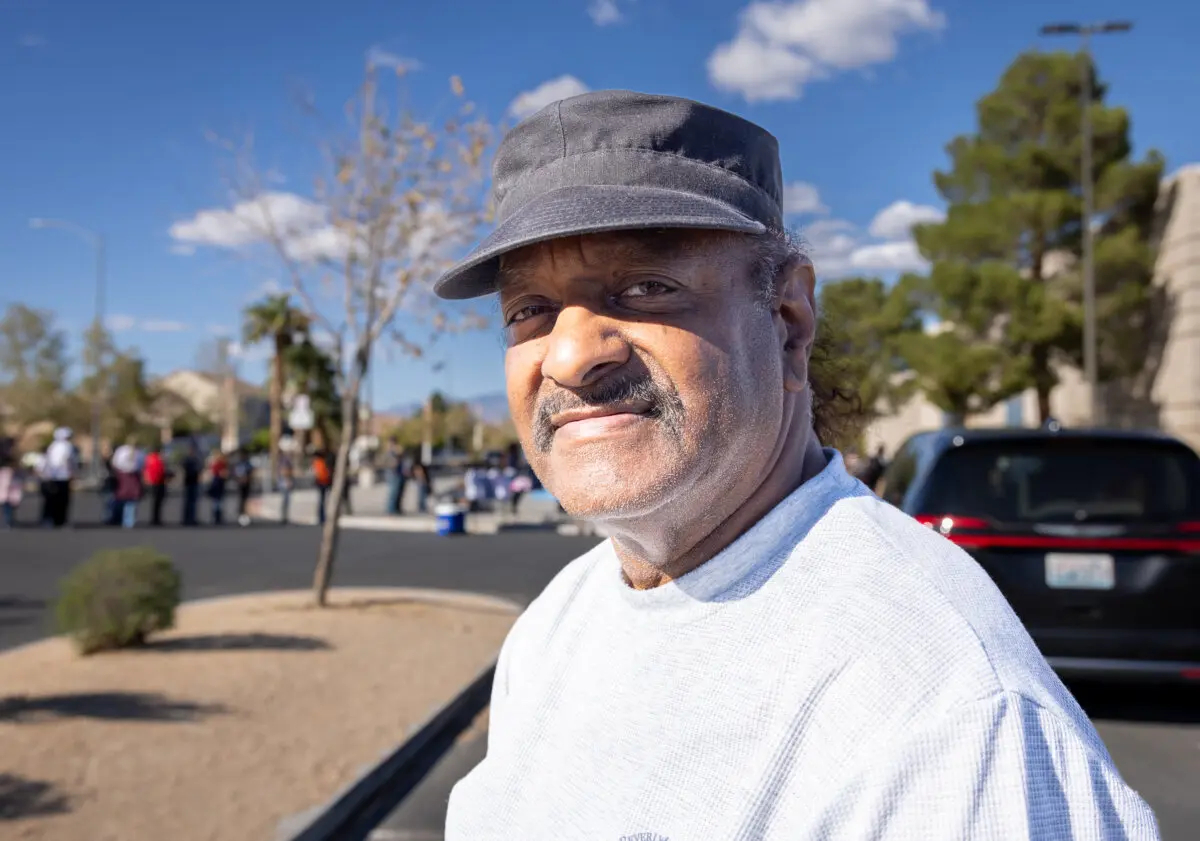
(200, 390)
(209, 396)
(1174, 404)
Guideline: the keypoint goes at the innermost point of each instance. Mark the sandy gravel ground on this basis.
(250, 710)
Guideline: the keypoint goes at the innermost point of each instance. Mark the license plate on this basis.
(1069, 571)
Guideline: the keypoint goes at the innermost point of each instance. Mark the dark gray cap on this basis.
(620, 160)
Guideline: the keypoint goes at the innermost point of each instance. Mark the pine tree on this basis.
(1005, 281)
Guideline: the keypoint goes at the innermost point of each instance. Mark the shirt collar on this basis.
(744, 565)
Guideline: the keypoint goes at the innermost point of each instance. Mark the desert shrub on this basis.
(116, 598)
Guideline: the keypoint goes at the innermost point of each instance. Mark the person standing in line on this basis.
(323, 476)
(127, 464)
(11, 479)
(347, 504)
(243, 475)
(218, 475)
(193, 467)
(872, 471)
(520, 484)
(58, 470)
(156, 476)
(287, 483)
(397, 477)
(108, 490)
(424, 486)
(45, 518)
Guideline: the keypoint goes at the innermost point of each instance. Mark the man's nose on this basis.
(583, 348)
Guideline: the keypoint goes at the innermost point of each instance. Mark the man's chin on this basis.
(612, 485)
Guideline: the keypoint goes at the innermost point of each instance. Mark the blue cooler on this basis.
(451, 519)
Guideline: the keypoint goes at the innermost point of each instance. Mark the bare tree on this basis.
(399, 198)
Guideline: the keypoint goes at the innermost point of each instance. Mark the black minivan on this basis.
(1092, 536)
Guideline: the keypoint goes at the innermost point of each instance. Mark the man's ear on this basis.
(795, 304)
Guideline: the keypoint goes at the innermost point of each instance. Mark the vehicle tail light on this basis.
(945, 524)
(977, 533)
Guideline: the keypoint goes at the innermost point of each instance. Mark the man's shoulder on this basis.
(558, 597)
(900, 592)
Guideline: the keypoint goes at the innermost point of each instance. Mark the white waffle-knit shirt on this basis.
(839, 672)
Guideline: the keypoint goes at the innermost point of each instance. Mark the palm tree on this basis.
(311, 371)
(274, 319)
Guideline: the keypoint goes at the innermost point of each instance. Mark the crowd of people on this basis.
(135, 482)
(131, 475)
(488, 483)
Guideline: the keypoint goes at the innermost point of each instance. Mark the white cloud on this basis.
(379, 57)
(183, 249)
(530, 102)
(260, 352)
(799, 197)
(839, 248)
(300, 224)
(604, 12)
(759, 69)
(266, 288)
(781, 46)
(120, 323)
(900, 256)
(897, 219)
(159, 325)
(31, 42)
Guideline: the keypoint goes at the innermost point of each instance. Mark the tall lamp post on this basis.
(1085, 31)
(97, 242)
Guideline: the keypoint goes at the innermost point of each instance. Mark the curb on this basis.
(579, 528)
(423, 526)
(357, 811)
(466, 599)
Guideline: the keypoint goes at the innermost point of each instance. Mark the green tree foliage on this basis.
(866, 322)
(33, 366)
(274, 320)
(310, 370)
(190, 422)
(452, 425)
(120, 385)
(1005, 279)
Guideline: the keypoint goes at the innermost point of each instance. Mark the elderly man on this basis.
(761, 649)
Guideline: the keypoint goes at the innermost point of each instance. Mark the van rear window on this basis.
(1066, 480)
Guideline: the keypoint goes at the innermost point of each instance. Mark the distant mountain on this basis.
(406, 410)
(489, 408)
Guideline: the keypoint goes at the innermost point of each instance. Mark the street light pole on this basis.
(1091, 370)
(97, 242)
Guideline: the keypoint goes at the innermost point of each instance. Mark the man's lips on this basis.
(599, 416)
(589, 422)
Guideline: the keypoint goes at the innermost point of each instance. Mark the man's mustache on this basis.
(663, 402)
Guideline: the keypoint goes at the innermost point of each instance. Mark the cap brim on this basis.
(572, 211)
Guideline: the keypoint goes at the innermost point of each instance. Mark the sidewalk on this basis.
(253, 708)
(537, 511)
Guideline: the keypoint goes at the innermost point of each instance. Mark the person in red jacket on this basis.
(155, 475)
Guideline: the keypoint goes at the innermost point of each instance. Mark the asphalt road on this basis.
(1152, 733)
(215, 561)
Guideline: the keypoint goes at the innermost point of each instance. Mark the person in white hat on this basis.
(57, 471)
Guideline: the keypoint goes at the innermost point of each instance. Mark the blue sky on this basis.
(105, 106)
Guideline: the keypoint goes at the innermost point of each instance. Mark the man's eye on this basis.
(646, 289)
(526, 313)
